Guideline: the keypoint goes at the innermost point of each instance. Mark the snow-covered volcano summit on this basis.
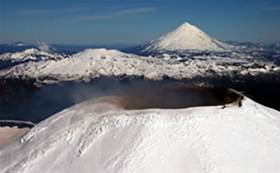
(186, 37)
(100, 136)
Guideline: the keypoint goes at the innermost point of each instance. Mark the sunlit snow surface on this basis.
(186, 37)
(101, 136)
(185, 53)
(93, 63)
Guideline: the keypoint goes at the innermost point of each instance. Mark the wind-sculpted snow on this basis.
(101, 136)
(93, 63)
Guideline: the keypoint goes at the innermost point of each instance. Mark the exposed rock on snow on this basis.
(186, 37)
(101, 136)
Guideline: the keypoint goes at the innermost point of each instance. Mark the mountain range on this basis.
(185, 53)
(149, 129)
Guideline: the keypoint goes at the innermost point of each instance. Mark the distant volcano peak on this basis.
(187, 25)
(186, 37)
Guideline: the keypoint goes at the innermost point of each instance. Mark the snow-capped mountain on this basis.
(93, 63)
(186, 37)
(102, 136)
(88, 64)
(19, 44)
(29, 54)
(185, 53)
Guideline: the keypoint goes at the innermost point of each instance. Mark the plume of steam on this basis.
(44, 47)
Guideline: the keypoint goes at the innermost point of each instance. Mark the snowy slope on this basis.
(87, 64)
(186, 37)
(93, 63)
(100, 136)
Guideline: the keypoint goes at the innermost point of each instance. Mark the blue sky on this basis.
(135, 21)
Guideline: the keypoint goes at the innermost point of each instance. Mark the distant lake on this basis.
(23, 101)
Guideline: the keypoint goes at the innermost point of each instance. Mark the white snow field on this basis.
(101, 136)
(186, 37)
(93, 63)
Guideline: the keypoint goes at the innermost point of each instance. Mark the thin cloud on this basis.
(120, 13)
(51, 11)
(271, 8)
(95, 17)
(136, 11)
